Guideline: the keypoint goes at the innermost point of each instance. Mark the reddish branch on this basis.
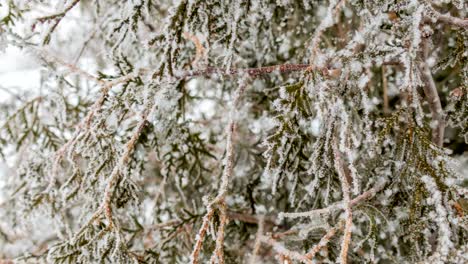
(283, 68)
(256, 72)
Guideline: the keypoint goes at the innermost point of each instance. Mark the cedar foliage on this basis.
(253, 131)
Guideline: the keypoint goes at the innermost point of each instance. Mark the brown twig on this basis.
(201, 235)
(432, 97)
(225, 178)
(340, 168)
(385, 91)
(324, 241)
(56, 17)
(85, 124)
(279, 248)
(337, 206)
(332, 11)
(447, 19)
(209, 71)
(256, 72)
(219, 252)
(258, 241)
(105, 206)
(251, 219)
(199, 49)
(113, 178)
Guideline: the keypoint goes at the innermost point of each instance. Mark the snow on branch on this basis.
(223, 132)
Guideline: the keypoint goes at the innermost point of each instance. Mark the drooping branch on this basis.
(85, 124)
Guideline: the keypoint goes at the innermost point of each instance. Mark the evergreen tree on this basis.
(230, 131)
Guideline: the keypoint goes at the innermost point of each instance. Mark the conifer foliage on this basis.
(236, 131)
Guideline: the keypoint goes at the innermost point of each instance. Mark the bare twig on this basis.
(199, 49)
(256, 72)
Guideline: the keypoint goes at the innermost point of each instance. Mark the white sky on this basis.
(18, 71)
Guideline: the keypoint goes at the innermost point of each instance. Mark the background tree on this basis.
(236, 132)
